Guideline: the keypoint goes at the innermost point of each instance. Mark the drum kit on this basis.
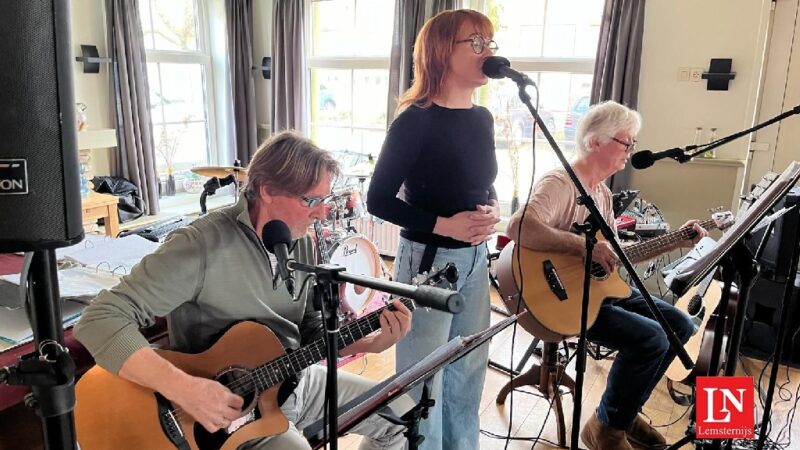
(339, 235)
(340, 239)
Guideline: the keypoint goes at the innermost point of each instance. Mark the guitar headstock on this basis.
(723, 219)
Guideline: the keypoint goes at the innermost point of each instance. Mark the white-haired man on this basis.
(605, 138)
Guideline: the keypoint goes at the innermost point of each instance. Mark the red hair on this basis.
(432, 50)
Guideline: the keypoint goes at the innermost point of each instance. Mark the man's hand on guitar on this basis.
(701, 233)
(394, 325)
(603, 254)
(210, 403)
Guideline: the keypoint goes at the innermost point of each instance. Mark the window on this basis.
(179, 71)
(349, 63)
(554, 42)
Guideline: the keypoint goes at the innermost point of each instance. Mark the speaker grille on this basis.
(35, 98)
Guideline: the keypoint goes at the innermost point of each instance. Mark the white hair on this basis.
(603, 121)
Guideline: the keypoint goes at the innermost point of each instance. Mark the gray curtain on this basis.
(619, 56)
(289, 75)
(135, 158)
(409, 16)
(239, 19)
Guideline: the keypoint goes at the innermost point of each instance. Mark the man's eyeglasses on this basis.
(628, 145)
(313, 202)
(478, 43)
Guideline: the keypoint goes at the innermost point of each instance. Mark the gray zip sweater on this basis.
(204, 278)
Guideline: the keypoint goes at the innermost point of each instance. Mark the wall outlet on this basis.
(696, 74)
(683, 74)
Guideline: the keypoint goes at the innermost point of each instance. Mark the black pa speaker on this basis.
(40, 203)
(776, 257)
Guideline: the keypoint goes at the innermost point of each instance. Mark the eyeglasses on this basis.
(313, 202)
(478, 43)
(628, 145)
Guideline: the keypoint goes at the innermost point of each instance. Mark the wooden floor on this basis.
(532, 414)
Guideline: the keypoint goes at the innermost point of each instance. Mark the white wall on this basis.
(87, 24)
(780, 143)
(684, 34)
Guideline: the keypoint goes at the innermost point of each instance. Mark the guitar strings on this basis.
(371, 319)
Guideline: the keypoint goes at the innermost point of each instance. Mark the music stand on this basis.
(382, 394)
(735, 259)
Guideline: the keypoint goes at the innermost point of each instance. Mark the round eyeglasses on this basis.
(479, 43)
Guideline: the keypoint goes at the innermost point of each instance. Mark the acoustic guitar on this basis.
(553, 283)
(699, 303)
(114, 413)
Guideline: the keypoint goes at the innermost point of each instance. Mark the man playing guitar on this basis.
(605, 138)
(215, 273)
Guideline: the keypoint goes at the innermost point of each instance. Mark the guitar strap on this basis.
(427, 258)
(287, 388)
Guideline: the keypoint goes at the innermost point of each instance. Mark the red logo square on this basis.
(724, 408)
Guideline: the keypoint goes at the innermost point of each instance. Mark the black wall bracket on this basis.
(719, 74)
(91, 59)
(265, 67)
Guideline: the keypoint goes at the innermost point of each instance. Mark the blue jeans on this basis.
(453, 422)
(628, 326)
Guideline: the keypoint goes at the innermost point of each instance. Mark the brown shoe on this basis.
(597, 436)
(641, 434)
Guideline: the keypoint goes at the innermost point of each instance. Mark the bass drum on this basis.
(360, 257)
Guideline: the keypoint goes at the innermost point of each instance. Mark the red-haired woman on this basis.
(440, 151)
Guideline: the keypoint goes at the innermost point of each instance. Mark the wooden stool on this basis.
(547, 377)
(549, 374)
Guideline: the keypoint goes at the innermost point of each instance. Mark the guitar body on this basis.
(676, 371)
(113, 413)
(554, 301)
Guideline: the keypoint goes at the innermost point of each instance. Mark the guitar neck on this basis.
(654, 247)
(278, 370)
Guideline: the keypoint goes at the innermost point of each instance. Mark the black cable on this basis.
(521, 278)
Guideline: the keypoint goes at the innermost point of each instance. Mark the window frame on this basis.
(202, 57)
(351, 63)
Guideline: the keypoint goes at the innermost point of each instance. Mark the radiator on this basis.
(383, 234)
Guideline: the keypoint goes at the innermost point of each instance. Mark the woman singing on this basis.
(439, 156)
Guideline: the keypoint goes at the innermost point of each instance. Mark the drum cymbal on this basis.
(361, 170)
(221, 171)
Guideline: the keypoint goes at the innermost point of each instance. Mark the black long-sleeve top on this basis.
(444, 159)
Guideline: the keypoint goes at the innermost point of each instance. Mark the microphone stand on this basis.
(722, 141)
(594, 223)
(326, 298)
(210, 188)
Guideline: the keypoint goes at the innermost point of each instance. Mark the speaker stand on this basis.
(50, 372)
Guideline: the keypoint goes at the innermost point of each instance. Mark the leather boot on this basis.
(641, 434)
(597, 436)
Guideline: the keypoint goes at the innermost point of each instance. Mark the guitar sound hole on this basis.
(598, 273)
(240, 382)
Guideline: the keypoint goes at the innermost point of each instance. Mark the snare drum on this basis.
(360, 257)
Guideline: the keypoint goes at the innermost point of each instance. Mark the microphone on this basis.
(276, 237)
(499, 67)
(439, 299)
(646, 158)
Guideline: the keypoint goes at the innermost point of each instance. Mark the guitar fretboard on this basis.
(653, 247)
(278, 370)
